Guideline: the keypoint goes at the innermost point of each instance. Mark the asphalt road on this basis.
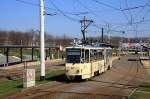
(117, 83)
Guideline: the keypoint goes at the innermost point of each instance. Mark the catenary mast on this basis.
(42, 41)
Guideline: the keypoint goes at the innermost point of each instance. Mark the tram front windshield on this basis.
(73, 55)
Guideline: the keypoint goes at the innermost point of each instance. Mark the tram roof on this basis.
(89, 47)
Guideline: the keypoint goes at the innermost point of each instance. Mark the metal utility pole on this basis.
(42, 41)
(102, 35)
(84, 25)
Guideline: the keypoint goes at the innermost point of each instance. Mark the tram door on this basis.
(105, 59)
(85, 56)
(87, 63)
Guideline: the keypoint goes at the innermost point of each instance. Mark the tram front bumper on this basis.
(73, 72)
(77, 74)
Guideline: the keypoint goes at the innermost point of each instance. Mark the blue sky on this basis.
(23, 17)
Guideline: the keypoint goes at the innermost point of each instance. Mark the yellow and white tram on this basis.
(85, 62)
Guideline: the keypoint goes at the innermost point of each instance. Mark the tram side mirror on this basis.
(81, 60)
(74, 60)
(73, 63)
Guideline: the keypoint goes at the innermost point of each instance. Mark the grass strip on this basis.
(10, 87)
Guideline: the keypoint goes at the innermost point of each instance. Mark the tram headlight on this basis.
(67, 71)
(77, 71)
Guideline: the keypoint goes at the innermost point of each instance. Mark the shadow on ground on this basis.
(63, 78)
(60, 65)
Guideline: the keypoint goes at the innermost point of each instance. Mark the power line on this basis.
(125, 16)
(133, 8)
(72, 15)
(107, 5)
(68, 17)
(131, 17)
(145, 14)
(48, 8)
(130, 21)
(137, 7)
(112, 7)
(91, 11)
(84, 25)
(122, 10)
(142, 21)
(32, 4)
(137, 14)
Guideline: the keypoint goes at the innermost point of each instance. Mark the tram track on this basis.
(123, 85)
(113, 84)
(117, 87)
(54, 91)
(77, 93)
(116, 84)
(131, 80)
(120, 72)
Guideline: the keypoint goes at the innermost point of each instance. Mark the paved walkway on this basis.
(30, 64)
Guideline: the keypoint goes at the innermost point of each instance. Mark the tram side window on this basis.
(109, 52)
(91, 55)
(86, 56)
(100, 55)
(95, 55)
(105, 55)
(82, 56)
(108, 55)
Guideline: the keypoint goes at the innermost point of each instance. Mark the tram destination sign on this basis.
(73, 51)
